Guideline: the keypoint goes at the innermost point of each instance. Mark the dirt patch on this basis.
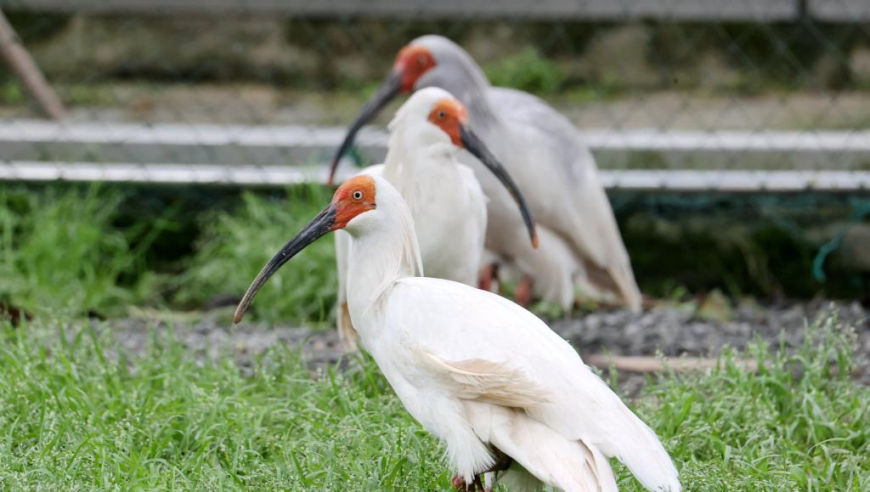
(671, 331)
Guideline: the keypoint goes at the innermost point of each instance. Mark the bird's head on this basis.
(428, 61)
(432, 116)
(351, 204)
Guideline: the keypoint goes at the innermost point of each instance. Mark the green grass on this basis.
(61, 253)
(237, 243)
(528, 71)
(75, 418)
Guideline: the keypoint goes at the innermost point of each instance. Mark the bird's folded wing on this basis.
(487, 381)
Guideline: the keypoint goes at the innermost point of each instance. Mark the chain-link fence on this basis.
(673, 96)
(251, 90)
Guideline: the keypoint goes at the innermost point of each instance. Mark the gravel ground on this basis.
(669, 330)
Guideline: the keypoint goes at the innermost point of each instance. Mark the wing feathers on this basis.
(490, 382)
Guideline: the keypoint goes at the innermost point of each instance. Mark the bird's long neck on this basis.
(386, 253)
(469, 84)
(412, 158)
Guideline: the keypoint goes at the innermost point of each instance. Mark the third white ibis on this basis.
(503, 392)
(580, 244)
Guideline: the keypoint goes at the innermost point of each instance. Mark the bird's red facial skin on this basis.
(412, 62)
(449, 115)
(354, 197)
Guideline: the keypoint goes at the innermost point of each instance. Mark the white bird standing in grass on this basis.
(446, 201)
(503, 391)
(580, 245)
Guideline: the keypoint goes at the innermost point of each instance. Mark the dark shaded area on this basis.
(762, 246)
(745, 245)
(352, 53)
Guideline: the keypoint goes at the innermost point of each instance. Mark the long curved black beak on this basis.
(389, 89)
(320, 225)
(477, 148)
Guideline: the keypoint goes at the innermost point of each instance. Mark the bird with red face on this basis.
(581, 248)
(505, 394)
(446, 200)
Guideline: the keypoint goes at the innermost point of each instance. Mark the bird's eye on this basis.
(421, 60)
(442, 115)
(357, 195)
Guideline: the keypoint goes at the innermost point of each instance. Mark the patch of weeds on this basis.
(60, 253)
(528, 71)
(11, 94)
(77, 416)
(798, 423)
(236, 245)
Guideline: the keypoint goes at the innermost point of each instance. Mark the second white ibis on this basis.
(446, 201)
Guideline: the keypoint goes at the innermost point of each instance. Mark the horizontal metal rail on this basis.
(685, 10)
(690, 10)
(276, 155)
(28, 140)
(169, 134)
(632, 180)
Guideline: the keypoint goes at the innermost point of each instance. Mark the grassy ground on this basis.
(76, 251)
(78, 413)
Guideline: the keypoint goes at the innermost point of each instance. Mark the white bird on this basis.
(580, 244)
(502, 391)
(446, 201)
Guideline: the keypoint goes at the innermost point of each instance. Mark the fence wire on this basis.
(683, 102)
(685, 95)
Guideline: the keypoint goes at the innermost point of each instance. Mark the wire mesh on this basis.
(678, 99)
(666, 86)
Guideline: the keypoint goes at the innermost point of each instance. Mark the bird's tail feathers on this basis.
(644, 454)
(539, 453)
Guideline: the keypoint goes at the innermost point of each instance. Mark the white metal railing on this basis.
(276, 155)
(630, 180)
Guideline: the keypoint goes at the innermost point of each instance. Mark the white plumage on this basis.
(445, 199)
(487, 377)
(580, 245)
(478, 370)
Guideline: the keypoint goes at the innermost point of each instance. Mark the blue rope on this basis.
(859, 211)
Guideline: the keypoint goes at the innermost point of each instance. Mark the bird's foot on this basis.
(461, 485)
(502, 461)
(523, 294)
(488, 279)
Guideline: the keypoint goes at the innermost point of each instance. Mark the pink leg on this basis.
(488, 277)
(459, 484)
(523, 294)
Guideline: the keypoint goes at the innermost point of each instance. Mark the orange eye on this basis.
(442, 115)
(357, 195)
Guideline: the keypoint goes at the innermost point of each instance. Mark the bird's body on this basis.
(446, 201)
(541, 150)
(478, 371)
(557, 173)
(447, 198)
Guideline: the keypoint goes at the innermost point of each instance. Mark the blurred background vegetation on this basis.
(194, 247)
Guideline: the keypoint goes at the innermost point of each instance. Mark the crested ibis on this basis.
(446, 201)
(503, 392)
